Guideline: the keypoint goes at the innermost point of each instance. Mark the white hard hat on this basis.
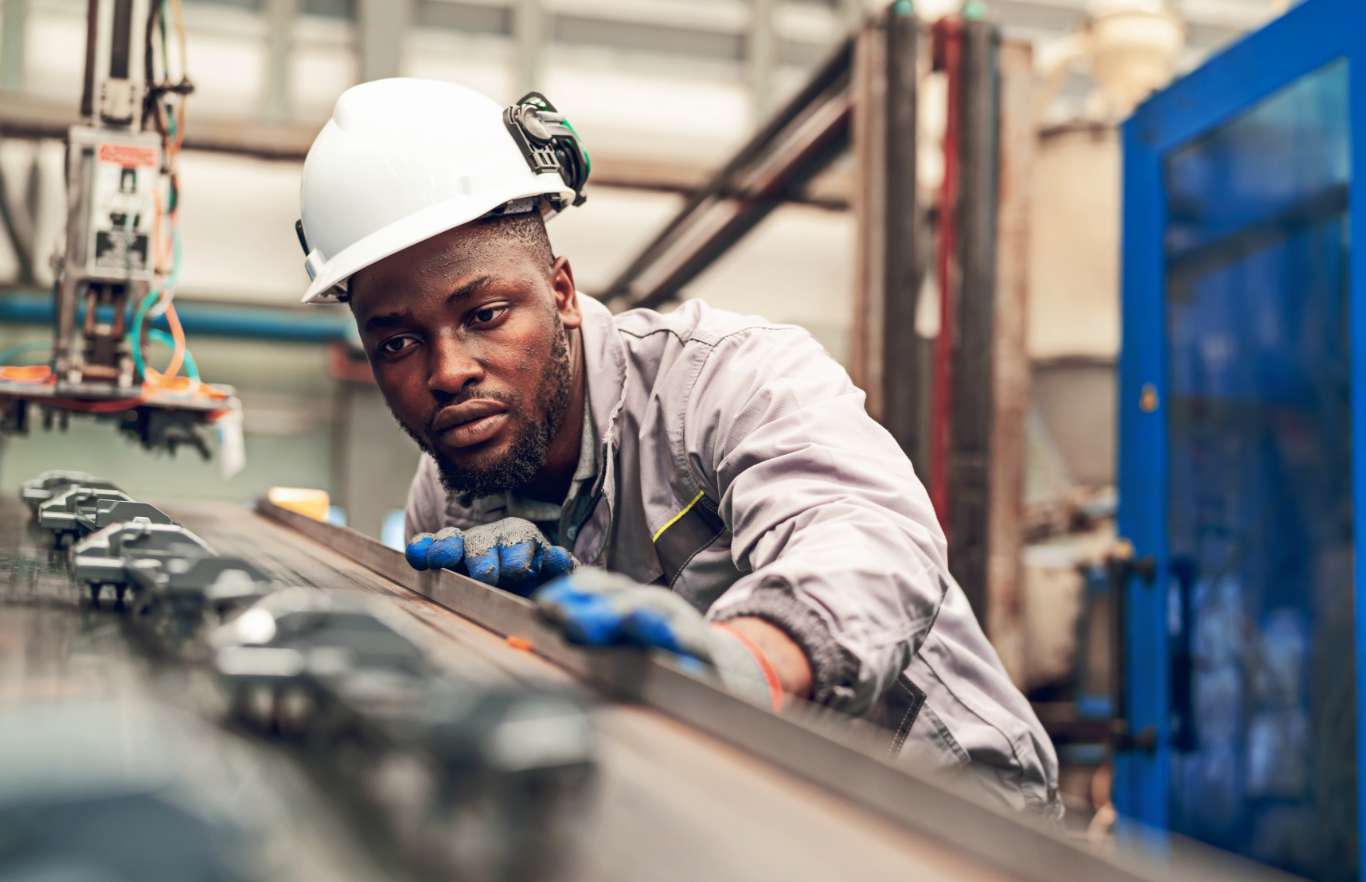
(402, 160)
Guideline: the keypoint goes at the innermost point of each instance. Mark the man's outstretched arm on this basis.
(840, 546)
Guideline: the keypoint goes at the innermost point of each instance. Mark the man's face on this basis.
(466, 334)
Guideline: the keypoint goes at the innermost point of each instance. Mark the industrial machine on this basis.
(1242, 373)
(118, 268)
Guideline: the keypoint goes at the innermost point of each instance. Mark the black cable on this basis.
(149, 98)
(119, 62)
(92, 30)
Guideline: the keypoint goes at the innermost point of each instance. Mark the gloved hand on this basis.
(510, 554)
(597, 608)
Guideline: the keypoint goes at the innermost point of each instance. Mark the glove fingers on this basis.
(416, 551)
(584, 618)
(517, 561)
(446, 552)
(484, 567)
(556, 561)
(519, 565)
(649, 628)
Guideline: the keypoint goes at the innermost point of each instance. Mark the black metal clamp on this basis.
(548, 141)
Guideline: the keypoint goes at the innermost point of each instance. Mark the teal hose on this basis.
(135, 332)
(165, 339)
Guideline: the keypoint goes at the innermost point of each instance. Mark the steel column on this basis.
(971, 333)
(13, 43)
(529, 32)
(903, 379)
(383, 25)
(761, 55)
(276, 90)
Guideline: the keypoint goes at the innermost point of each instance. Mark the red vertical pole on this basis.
(948, 44)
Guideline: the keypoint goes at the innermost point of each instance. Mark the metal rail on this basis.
(834, 753)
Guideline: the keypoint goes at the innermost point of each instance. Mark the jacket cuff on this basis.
(834, 669)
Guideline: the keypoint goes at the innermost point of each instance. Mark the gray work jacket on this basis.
(740, 469)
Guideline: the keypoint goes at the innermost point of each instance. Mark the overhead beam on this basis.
(23, 117)
(798, 142)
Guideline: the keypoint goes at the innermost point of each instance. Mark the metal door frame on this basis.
(1300, 42)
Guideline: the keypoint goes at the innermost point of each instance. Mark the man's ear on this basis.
(566, 297)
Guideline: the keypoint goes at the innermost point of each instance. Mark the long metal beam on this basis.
(843, 758)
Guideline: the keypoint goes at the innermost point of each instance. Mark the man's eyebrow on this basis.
(468, 288)
(384, 320)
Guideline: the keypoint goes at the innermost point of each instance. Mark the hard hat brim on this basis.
(419, 227)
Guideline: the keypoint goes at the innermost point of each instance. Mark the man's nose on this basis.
(452, 367)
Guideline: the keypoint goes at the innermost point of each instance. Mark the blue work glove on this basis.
(510, 554)
(596, 608)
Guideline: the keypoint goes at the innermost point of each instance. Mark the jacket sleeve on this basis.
(832, 530)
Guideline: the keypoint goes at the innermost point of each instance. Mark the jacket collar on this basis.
(604, 357)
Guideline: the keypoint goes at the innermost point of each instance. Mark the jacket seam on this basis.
(702, 342)
(702, 362)
(701, 548)
(908, 720)
(971, 707)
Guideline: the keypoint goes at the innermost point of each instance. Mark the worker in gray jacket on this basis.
(722, 490)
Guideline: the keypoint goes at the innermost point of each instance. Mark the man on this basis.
(722, 468)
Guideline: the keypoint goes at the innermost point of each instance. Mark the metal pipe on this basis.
(206, 319)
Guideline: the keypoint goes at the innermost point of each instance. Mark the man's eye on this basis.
(487, 315)
(397, 345)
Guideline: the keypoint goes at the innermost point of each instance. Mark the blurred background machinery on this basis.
(119, 261)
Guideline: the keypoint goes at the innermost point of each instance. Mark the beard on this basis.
(530, 446)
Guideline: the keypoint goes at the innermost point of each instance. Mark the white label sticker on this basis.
(123, 208)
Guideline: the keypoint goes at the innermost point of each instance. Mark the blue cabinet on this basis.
(1240, 474)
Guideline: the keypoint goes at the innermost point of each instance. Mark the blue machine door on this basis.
(1259, 490)
(1250, 466)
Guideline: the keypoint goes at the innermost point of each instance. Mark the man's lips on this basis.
(473, 422)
